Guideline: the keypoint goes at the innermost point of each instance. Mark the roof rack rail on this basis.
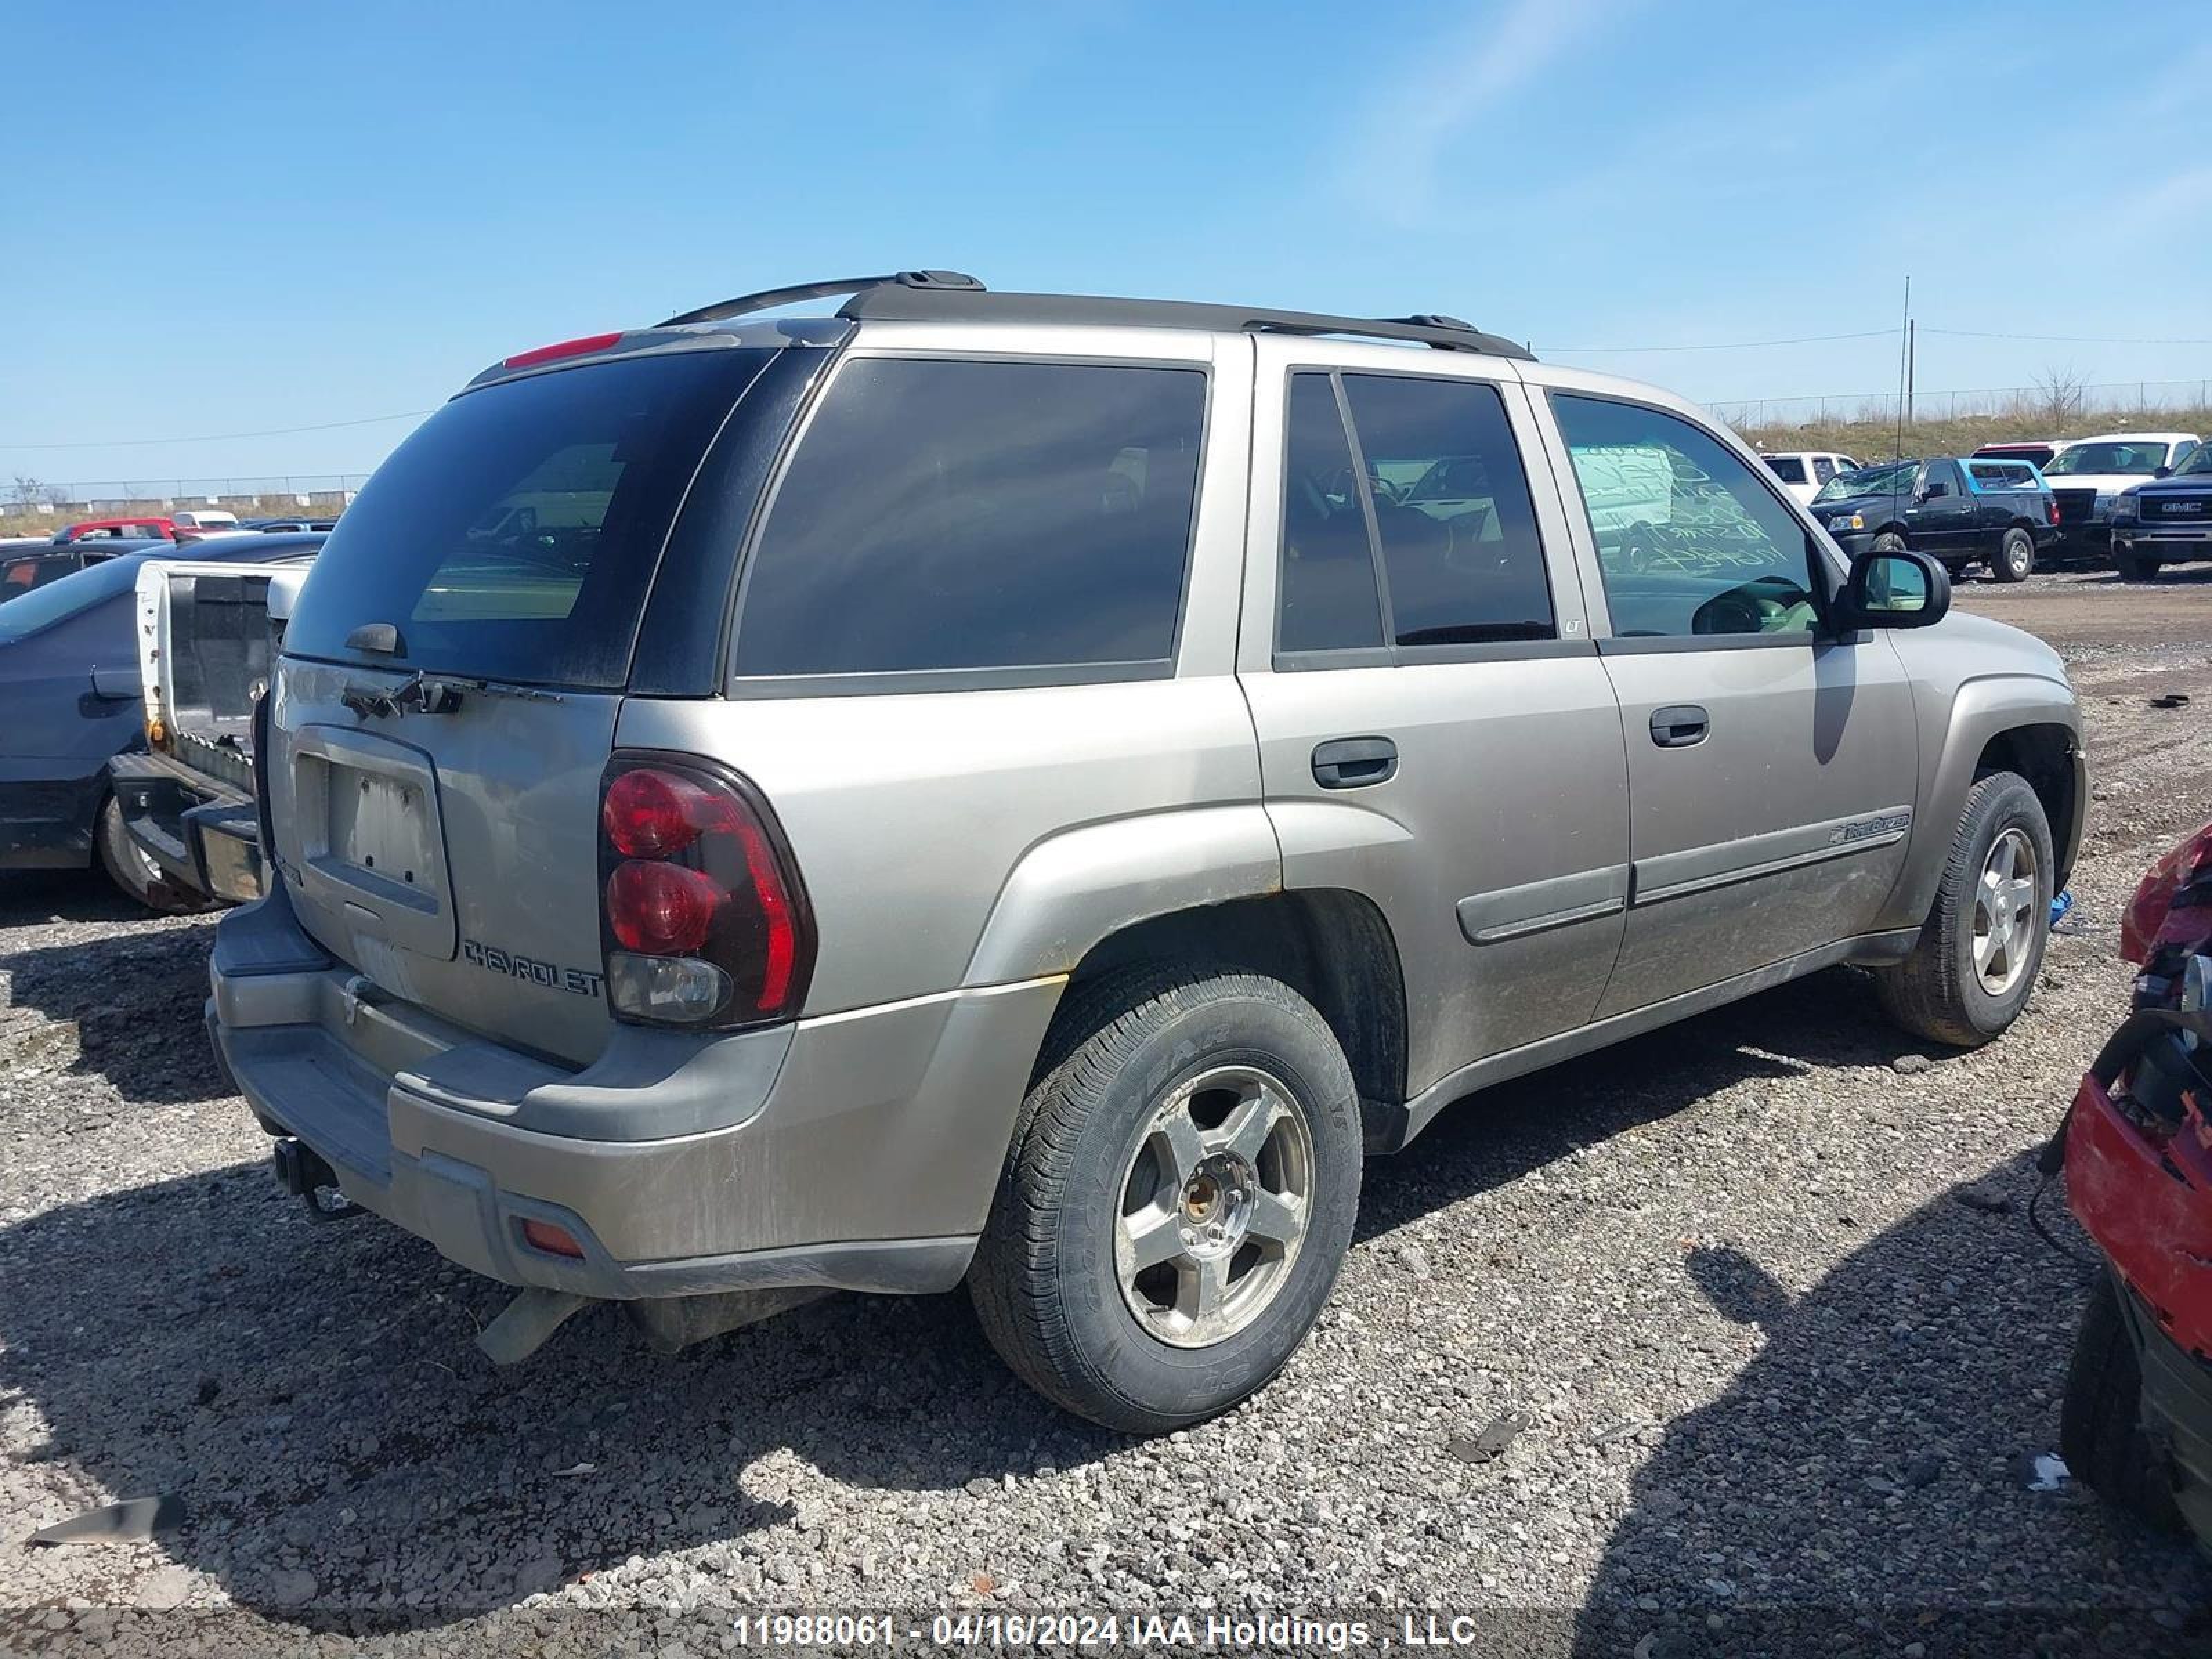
(768, 298)
(926, 296)
(914, 303)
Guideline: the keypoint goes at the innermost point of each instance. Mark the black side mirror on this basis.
(1902, 589)
(2162, 473)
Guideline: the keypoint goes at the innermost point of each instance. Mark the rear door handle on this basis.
(1680, 727)
(1354, 763)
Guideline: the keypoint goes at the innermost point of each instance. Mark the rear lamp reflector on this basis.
(576, 348)
(648, 814)
(662, 909)
(553, 1239)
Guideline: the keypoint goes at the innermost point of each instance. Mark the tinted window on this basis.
(1328, 599)
(1824, 469)
(1788, 468)
(1690, 541)
(1940, 478)
(1461, 564)
(977, 515)
(514, 535)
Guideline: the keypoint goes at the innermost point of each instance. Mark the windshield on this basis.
(2078, 460)
(516, 535)
(72, 596)
(1890, 478)
(1788, 468)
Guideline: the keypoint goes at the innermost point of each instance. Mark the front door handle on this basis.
(1680, 727)
(1354, 763)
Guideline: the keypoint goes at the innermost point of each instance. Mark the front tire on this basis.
(1974, 965)
(130, 869)
(2100, 1432)
(2134, 567)
(1178, 1197)
(2015, 558)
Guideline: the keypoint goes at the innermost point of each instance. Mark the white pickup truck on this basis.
(206, 636)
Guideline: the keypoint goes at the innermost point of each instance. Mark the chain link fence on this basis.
(2054, 406)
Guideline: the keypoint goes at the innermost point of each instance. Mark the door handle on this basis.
(1680, 727)
(1354, 763)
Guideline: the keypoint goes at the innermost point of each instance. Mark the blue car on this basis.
(69, 700)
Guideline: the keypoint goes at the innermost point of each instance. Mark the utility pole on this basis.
(1911, 366)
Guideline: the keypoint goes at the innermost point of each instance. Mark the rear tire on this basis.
(2015, 558)
(2134, 567)
(1132, 1149)
(1974, 966)
(138, 875)
(2100, 1432)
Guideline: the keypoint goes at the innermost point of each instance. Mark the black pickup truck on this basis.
(1977, 511)
(2165, 521)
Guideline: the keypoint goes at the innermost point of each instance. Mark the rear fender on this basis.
(1071, 889)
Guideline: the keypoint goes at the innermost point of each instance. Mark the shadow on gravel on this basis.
(1877, 1448)
(29, 897)
(133, 997)
(311, 1391)
(1827, 1020)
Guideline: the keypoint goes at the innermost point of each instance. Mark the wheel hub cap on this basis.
(2006, 925)
(1215, 1199)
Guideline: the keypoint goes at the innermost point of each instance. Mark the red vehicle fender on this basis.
(2149, 1207)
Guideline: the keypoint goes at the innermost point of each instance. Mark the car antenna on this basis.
(1903, 335)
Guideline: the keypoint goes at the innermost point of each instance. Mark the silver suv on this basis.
(1029, 790)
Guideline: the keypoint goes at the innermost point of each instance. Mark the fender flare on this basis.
(1981, 709)
(1077, 887)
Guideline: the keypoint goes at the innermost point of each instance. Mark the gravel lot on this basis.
(1763, 1286)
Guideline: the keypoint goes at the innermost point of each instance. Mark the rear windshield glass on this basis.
(514, 535)
(70, 596)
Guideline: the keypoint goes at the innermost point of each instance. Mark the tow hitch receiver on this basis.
(301, 1172)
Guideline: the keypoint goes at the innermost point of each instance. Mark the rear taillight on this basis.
(2052, 507)
(703, 919)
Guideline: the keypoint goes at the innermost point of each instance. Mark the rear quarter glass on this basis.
(516, 535)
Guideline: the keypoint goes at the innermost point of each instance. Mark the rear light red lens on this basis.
(648, 814)
(697, 877)
(2052, 507)
(553, 1240)
(577, 348)
(662, 910)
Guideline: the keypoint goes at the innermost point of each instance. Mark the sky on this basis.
(278, 216)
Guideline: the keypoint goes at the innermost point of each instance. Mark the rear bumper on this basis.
(856, 1151)
(202, 833)
(47, 821)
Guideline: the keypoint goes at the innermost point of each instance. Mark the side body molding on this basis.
(1073, 889)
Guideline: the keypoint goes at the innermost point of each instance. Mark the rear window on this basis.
(1024, 520)
(514, 535)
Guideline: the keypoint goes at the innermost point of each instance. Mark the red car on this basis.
(2136, 1147)
(116, 530)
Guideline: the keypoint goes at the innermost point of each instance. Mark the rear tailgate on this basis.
(204, 658)
(452, 670)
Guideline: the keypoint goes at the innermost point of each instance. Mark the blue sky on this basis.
(344, 212)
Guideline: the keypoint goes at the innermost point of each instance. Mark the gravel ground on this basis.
(1763, 1287)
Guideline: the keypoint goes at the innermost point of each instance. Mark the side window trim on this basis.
(738, 685)
(1822, 575)
(1566, 643)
